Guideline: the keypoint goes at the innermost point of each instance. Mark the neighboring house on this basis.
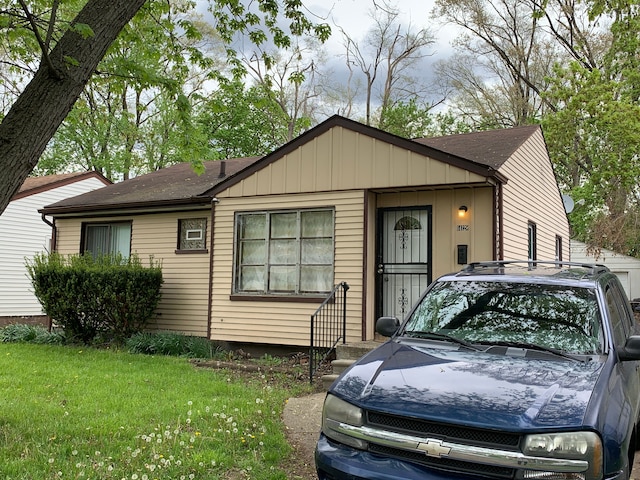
(250, 248)
(24, 233)
(626, 268)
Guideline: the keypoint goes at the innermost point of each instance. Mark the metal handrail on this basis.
(328, 327)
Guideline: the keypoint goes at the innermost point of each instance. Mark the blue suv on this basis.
(505, 370)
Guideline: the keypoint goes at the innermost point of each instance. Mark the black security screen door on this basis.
(404, 258)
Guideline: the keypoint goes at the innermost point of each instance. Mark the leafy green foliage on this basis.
(594, 134)
(21, 333)
(410, 120)
(174, 344)
(87, 297)
(241, 122)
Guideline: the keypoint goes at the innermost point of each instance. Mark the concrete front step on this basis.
(346, 355)
(340, 365)
(353, 351)
(328, 379)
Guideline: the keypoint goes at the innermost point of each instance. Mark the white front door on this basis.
(404, 258)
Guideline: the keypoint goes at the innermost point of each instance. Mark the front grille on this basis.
(450, 433)
(474, 436)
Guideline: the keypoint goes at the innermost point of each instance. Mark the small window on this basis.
(284, 252)
(533, 241)
(559, 248)
(192, 234)
(107, 239)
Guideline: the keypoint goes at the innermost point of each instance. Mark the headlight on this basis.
(570, 445)
(336, 412)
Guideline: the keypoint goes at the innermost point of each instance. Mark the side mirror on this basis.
(388, 326)
(631, 350)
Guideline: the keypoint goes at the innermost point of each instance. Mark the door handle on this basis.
(381, 269)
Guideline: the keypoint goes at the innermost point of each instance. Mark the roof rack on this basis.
(594, 268)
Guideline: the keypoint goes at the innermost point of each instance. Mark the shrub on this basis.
(108, 296)
(30, 334)
(175, 344)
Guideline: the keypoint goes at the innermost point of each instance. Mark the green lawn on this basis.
(73, 413)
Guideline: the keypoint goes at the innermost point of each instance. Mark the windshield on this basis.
(551, 316)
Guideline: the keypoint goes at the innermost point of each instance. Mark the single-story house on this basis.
(251, 248)
(24, 232)
(626, 268)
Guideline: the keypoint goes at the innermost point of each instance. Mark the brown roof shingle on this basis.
(491, 148)
(177, 184)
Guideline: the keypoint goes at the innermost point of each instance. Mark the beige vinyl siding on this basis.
(341, 159)
(532, 195)
(185, 292)
(285, 322)
(445, 221)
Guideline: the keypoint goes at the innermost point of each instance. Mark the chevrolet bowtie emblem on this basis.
(434, 448)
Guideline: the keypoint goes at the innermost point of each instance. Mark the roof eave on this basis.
(164, 205)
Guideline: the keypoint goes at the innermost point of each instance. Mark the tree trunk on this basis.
(48, 98)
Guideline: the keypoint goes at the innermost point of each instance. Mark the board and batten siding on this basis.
(341, 159)
(185, 292)
(23, 234)
(286, 322)
(529, 170)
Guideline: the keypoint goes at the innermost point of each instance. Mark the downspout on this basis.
(214, 202)
(52, 247)
(500, 219)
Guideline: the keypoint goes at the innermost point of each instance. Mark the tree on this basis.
(411, 120)
(69, 58)
(391, 50)
(594, 137)
(242, 122)
(143, 90)
(291, 81)
(61, 77)
(507, 51)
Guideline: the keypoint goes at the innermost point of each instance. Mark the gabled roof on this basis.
(34, 185)
(465, 158)
(175, 185)
(482, 153)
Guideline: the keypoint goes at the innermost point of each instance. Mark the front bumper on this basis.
(338, 462)
(335, 461)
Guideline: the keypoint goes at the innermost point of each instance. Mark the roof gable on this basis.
(34, 185)
(456, 157)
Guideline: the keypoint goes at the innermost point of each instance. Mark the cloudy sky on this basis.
(354, 17)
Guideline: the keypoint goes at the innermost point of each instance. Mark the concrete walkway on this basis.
(302, 417)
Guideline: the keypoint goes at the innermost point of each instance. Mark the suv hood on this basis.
(475, 388)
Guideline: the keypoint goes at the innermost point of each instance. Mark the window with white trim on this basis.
(284, 252)
(192, 234)
(107, 239)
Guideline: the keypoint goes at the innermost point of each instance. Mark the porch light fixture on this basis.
(462, 211)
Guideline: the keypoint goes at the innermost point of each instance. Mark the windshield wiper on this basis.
(532, 346)
(441, 336)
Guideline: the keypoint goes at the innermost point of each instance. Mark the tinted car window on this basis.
(553, 316)
(620, 323)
